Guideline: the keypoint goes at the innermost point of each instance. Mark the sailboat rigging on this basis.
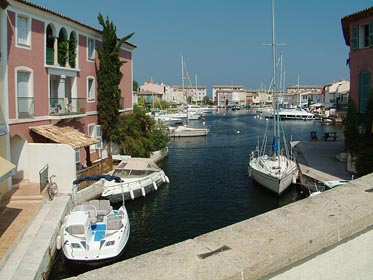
(275, 171)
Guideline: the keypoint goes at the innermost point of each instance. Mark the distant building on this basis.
(196, 93)
(300, 95)
(336, 95)
(152, 92)
(358, 34)
(224, 95)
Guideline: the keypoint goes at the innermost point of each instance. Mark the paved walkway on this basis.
(17, 209)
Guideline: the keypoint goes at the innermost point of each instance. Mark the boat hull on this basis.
(132, 190)
(189, 132)
(93, 246)
(273, 182)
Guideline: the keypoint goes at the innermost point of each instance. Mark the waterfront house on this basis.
(358, 34)
(224, 95)
(336, 95)
(300, 95)
(49, 92)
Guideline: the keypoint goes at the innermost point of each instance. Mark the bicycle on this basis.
(52, 188)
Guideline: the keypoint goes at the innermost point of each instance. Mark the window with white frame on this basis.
(23, 31)
(91, 49)
(94, 131)
(91, 89)
(25, 100)
(100, 144)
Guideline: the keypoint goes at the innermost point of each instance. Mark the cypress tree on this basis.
(108, 78)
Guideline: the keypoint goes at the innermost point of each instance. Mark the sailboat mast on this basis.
(182, 75)
(276, 116)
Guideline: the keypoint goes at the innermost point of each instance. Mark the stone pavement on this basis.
(17, 209)
(30, 224)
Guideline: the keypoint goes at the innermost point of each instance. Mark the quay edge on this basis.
(259, 246)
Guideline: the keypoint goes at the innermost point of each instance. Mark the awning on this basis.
(7, 169)
(65, 135)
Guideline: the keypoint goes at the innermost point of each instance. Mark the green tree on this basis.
(135, 85)
(109, 77)
(139, 134)
(359, 137)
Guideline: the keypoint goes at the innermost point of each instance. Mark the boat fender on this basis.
(155, 185)
(249, 172)
(58, 242)
(132, 194)
(143, 192)
(167, 180)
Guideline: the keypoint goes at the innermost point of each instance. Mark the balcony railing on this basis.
(25, 107)
(66, 106)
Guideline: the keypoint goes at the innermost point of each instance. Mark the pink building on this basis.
(358, 34)
(49, 77)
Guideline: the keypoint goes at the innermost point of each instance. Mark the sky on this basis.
(226, 42)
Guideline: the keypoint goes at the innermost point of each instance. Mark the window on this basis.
(91, 49)
(25, 100)
(99, 137)
(362, 36)
(23, 31)
(364, 90)
(94, 131)
(91, 88)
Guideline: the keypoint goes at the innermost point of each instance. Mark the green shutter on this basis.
(364, 91)
(371, 34)
(355, 37)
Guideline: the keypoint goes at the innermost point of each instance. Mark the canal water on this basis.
(209, 186)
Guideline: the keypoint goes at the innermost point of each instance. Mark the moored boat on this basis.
(276, 170)
(139, 176)
(185, 131)
(94, 232)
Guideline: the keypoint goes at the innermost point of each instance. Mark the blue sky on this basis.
(223, 41)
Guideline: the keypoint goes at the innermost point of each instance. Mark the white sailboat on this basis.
(275, 171)
(186, 130)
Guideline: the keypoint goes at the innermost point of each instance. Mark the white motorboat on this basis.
(168, 120)
(93, 232)
(277, 170)
(139, 176)
(291, 114)
(185, 131)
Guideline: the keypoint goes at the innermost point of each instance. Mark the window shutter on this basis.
(371, 34)
(355, 37)
(364, 91)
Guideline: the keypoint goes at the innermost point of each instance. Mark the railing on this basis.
(25, 107)
(101, 167)
(66, 106)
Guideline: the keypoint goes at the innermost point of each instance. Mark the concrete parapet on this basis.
(88, 193)
(261, 245)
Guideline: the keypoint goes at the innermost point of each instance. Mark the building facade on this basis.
(358, 34)
(49, 78)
